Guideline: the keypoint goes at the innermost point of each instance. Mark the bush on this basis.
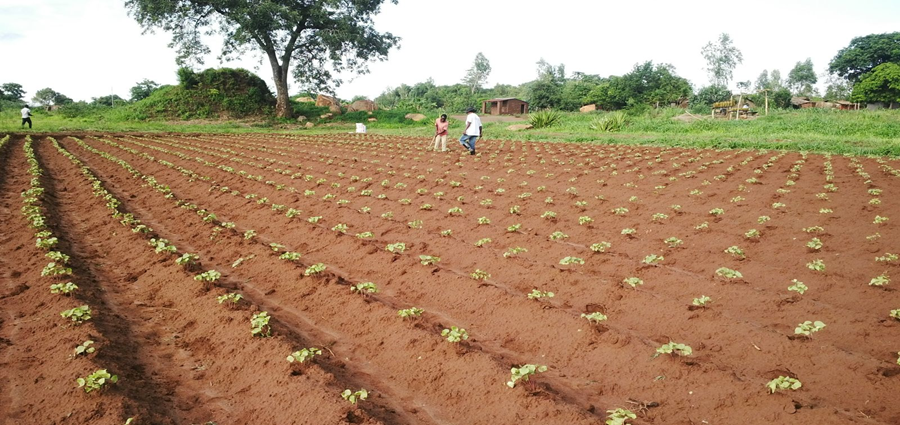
(705, 97)
(610, 122)
(544, 118)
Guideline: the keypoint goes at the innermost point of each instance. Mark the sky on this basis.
(91, 48)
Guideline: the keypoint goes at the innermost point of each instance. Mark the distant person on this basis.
(26, 116)
(472, 131)
(441, 127)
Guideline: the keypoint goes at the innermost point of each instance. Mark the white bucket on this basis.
(360, 127)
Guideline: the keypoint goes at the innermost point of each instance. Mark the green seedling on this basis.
(729, 273)
(557, 235)
(428, 260)
(340, 227)
(672, 242)
(63, 288)
(524, 373)
(515, 209)
(396, 248)
(817, 265)
(895, 314)
(702, 301)
(783, 383)
(549, 215)
(808, 328)
(303, 355)
(887, 257)
(409, 313)
(514, 228)
(77, 314)
(314, 269)
(455, 211)
(484, 220)
(364, 288)
(619, 416)
(353, 397)
(479, 274)
(880, 220)
(571, 260)
(763, 219)
(652, 259)
(735, 252)
(290, 256)
(57, 257)
(84, 348)
(797, 286)
(815, 244)
(455, 334)
(365, 235)
(674, 348)
(314, 219)
(54, 269)
(512, 252)
(187, 259)
(702, 226)
(585, 220)
(659, 217)
(96, 380)
(595, 317)
(620, 211)
(535, 294)
(482, 242)
(600, 247)
(880, 280)
(716, 211)
(259, 325)
(633, 281)
(629, 232)
(447, 232)
(814, 229)
(231, 297)
(752, 234)
(208, 276)
(249, 234)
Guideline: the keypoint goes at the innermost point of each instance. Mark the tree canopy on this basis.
(320, 38)
(11, 91)
(802, 78)
(864, 54)
(721, 59)
(143, 89)
(47, 97)
(478, 74)
(881, 84)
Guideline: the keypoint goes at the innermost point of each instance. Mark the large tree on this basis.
(478, 74)
(721, 59)
(881, 84)
(12, 91)
(315, 36)
(143, 89)
(864, 54)
(47, 97)
(802, 78)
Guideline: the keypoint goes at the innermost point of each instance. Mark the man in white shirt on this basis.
(26, 116)
(472, 131)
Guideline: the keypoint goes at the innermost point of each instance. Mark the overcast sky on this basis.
(90, 48)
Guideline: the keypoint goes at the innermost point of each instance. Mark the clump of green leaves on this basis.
(162, 246)
(84, 348)
(633, 281)
(482, 242)
(396, 248)
(735, 252)
(887, 258)
(512, 252)
(752, 234)
(290, 256)
(314, 269)
(571, 260)
(672, 242)
(187, 259)
(595, 317)
(600, 247)
(815, 244)
(77, 314)
(304, 354)
(364, 288)
(353, 397)
(230, 297)
(817, 265)
(208, 276)
(557, 235)
(535, 294)
(729, 273)
(880, 280)
(63, 288)
(479, 274)
(674, 348)
(259, 325)
(428, 260)
(652, 259)
(808, 328)
(455, 334)
(797, 286)
(411, 312)
(96, 380)
(717, 211)
(702, 301)
(619, 416)
(783, 383)
(524, 373)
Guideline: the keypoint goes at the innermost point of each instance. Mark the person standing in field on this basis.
(472, 132)
(441, 127)
(26, 116)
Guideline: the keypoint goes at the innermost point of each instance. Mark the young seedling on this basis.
(447, 232)
(585, 220)
(483, 220)
(633, 281)
(514, 228)
(364, 288)
(817, 265)
(314, 269)
(340, 228)
(249, 234)
(84, 348)
(895, 314)
(808, 328)
(797, 286)
(314, 219)
(77, 314)
(571, 260)
(259, 325)
(815, 244)
(619, 416)
(672, 242)
(880, 280)
(410, 313)
(887, 258)
(353, 397)
(54, 269)
(396, 248)
(557, 235)
(736, 252)
(752, 234)
(455, 211)
(652, 259)
(729, 273)
(702, 301)
(482, 242)
(674, 348)
(549, 215)
(620, 211)
(455, 334)
(595, 317)
(600, 247)
(290, 256)
(96, 380)
(763, 219)
(702, 226)
(523, 373)
(303, 355)
(783, 383)
(880, 220)
(63, 288)
(629, 232)
(536, 295)
(512, 252)
(716, 212)
(479, 274)
(187, 260)
(208, 276)
(231, 298)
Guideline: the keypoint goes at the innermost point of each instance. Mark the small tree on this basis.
(802, 77)
(11, 91)
(143, 89)
(721, 59)
(47, 97)
(478, 74)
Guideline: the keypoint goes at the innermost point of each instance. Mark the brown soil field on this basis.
(113, 212)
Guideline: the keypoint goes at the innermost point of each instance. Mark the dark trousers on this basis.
(28, 120)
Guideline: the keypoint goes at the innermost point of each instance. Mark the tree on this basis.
(838, 88)
(108, 100)
(864, 54)
(143, 89)
(47, 97)
(802, 77)
(762, 82)
(706, 96)
(12, 91)
(546, 91)
(478, 74)
(881, 84)
(721, 59)
(767, 81)
(316, 37)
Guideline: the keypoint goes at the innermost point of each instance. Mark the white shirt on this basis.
(26, 112)
(474, 125)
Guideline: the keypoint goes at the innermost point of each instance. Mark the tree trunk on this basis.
(283, 107)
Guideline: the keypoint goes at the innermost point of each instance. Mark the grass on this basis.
(814, 130)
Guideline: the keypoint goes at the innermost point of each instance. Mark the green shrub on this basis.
(608, 123)
(544, 118)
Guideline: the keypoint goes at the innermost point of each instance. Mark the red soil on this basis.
(184, 358)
